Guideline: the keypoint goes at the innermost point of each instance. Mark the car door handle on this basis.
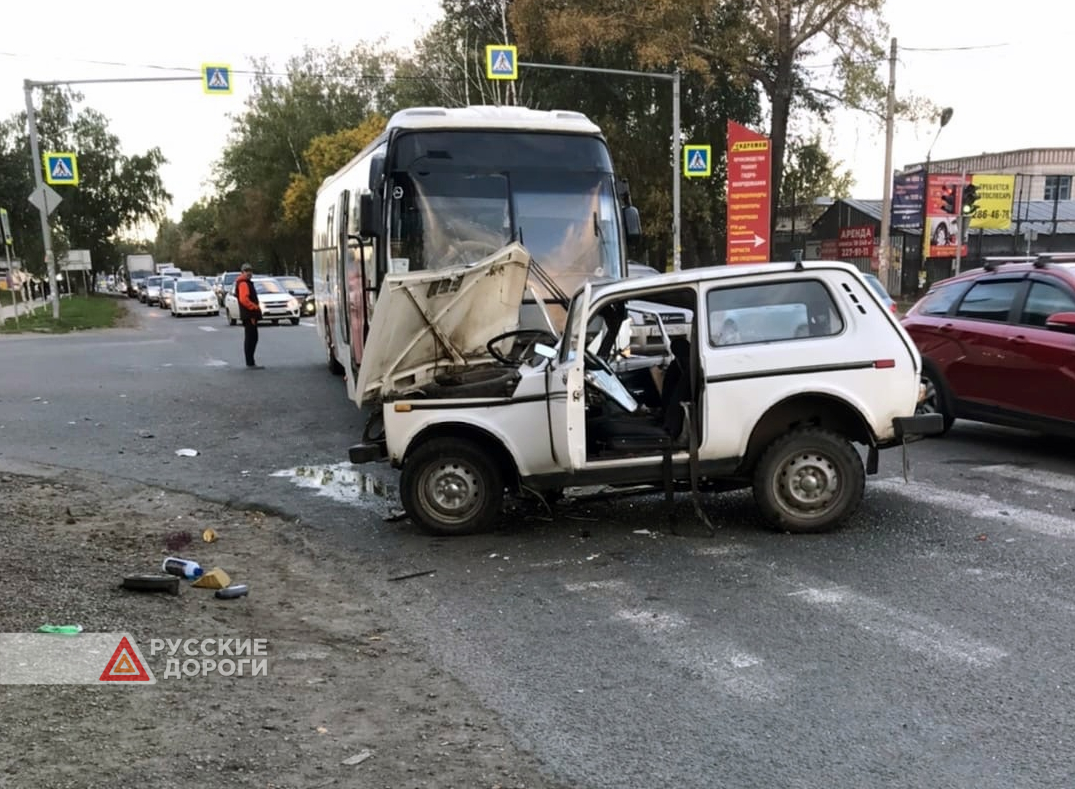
(946, 327)
(1018, 339)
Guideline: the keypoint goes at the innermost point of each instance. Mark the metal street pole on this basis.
(959, 220)
(886, 202)
(676, 144)
(38, 164)
(46, 231)
(946, 115)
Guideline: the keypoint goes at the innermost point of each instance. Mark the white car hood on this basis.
(430, 322)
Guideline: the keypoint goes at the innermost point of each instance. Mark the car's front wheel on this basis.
(452, 486)
(810, 480)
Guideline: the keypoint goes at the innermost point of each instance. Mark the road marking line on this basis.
(912, 631)
(981, 507)
(737, 671)
(1049, 479)
(208, 328)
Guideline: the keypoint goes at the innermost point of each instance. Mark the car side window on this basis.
(939, 300)
(1043, 300)
(771, 312)
(989, 300)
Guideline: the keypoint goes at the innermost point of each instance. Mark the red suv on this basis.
(998, 344)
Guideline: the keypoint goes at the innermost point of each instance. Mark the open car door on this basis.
(566, 388)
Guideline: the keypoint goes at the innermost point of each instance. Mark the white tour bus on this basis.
(441, 188)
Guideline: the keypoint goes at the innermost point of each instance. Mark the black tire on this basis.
(787, 477)
(231, 321)
(452, 486)
(937, 399)
(294, 321)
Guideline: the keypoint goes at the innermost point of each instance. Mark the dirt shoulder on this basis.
(339, 680)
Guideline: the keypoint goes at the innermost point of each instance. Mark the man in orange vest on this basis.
(250, 313)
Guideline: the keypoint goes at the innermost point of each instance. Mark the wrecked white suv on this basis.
(785, 368)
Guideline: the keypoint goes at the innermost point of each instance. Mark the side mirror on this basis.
(632, 224)
(367, 222)
(1062, 322)
(544, 350)
(376, 173)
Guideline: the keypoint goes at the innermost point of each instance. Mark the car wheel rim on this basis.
(807, 483)
(930, 404)
(452, 490)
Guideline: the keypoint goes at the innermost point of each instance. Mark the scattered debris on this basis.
(177, 540)
(214, 579)
(412, 575)
(62, 630)
(341, 481)
(233, 591)
(209, 536)
(187, 453)
(358, 758)
(395, 516)
(151, 583)
(145, 433)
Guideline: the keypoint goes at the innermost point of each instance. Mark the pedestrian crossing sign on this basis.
(697, 161)
(216, 78)
(501, 62)
(61, 169)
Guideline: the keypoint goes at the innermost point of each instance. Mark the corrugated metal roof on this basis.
(1036, 214)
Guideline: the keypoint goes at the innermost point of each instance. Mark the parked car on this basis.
(998, 345)
(476, 405)
(276, 303)
(301, 291)
(882, 294)
(194, 297)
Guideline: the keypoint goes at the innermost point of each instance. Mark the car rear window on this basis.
(771, 312)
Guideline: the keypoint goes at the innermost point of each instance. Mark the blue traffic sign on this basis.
(697, 160)
(501, 62)
(216, 78)
(61, 169)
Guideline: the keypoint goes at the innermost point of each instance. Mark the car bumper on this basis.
(911, 428)
(277, 313)
(367, 452)
(197, 309)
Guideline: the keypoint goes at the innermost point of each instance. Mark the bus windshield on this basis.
(457, 197)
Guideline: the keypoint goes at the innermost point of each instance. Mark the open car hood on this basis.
(429, 323)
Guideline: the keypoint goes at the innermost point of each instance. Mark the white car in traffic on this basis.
(276, 303)
(193, 297)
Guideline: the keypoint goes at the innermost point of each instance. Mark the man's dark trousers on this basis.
(250, 342)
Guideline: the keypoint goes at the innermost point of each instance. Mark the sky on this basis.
(995, 67)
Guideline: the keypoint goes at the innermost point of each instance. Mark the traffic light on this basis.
(948, 199)
(970, 199)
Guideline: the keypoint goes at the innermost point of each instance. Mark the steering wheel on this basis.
(600, 376)
(519, 354)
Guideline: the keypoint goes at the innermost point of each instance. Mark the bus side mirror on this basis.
(632, 224)
(367, 222)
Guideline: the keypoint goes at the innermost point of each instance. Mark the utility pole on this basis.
(959, 219)
(886, 203)
(46, 230)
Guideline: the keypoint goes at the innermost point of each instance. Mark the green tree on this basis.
(320, 92)
(767, 43)
(325, 155)
(811, 173)
(115, 191)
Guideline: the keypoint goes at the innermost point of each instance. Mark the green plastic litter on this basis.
(64, 630)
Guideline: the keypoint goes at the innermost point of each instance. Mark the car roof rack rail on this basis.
(1045, 258)
(991, 263)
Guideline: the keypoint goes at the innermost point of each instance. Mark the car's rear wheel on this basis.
(810, 480)
(452, 486)
(936, 400)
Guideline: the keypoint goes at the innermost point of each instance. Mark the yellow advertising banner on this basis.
(996, 194)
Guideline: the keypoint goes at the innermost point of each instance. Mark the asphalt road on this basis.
(929, 643)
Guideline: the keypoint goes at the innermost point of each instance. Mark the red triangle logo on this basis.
(124, 666)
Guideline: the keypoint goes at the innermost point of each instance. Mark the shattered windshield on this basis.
(457, 197)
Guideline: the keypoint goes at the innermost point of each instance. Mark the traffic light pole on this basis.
(959, 220)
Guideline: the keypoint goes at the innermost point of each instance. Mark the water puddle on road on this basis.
(341, 482)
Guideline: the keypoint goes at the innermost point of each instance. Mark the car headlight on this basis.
(292, 304)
